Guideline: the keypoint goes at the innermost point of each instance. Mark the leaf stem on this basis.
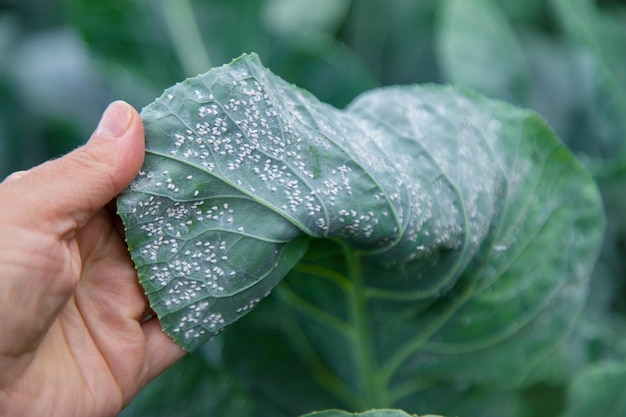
(326, 273)
(413, 345)
(326, 376)
(311, 311)
(185, 35)
(365, 359)
(409, 388)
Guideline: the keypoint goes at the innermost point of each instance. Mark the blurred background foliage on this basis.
(63, 61)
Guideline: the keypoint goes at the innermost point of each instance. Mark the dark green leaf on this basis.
(309, 27)
(394, 39)
(478, 49)
(193, 387)
(598, 391)
(128, 33)
(444, 235)
(601, 41)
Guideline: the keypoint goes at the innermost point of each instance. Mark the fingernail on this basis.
(115, 120)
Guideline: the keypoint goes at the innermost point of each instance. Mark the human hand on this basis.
(72, 342)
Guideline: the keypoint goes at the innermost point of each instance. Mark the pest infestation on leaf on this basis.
(424, 191)
(429, 248)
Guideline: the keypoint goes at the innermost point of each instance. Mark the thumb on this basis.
(63, 194)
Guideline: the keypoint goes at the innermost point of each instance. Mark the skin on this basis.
(72, 339)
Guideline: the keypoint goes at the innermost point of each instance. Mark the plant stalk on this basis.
(365, 359)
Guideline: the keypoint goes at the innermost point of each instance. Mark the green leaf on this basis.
(600, 38)
(181, 391)
(393, 39)
(311, 23)
(127, 33)
(479, 49)
(598, 391)
(531, 13)
(435, 238)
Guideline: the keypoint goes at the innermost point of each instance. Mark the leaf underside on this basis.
(432, 233)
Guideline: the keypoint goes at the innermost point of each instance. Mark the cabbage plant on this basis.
(422, 246)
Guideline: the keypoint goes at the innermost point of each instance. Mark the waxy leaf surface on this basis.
(431, 234)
